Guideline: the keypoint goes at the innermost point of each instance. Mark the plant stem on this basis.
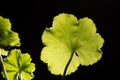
(3, 67)
(18, 76)
(66, 67)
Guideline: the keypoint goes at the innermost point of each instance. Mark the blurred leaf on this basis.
(8, 38)
(4, 52)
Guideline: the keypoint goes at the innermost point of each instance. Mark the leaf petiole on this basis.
(66, 67)
(3, 67)
(19, 76)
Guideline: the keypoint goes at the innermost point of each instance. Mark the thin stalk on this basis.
(3, 67)
(66, 67)
(19, 76)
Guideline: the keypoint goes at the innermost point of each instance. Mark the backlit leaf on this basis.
(69, 35)
(4, 52)
(8, 38)
(18, 64)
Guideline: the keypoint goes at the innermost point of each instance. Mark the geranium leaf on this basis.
(8, 38)
(69, 35)
(19, 65)
(3, 52)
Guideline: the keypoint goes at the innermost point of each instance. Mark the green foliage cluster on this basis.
(17, 66)
(69, 43)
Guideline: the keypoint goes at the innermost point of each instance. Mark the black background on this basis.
(30, 18)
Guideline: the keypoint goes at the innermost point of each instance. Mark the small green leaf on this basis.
(3, 52)
(69, 35)
(19, 65)
(8, 38)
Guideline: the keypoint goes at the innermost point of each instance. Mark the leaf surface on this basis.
(69, 35)
(8, 38)
(18, 64)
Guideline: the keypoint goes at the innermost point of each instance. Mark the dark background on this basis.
(30, 18)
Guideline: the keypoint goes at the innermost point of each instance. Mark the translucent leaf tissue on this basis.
(70, 43)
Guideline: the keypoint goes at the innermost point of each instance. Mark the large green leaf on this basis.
(8, 38)
(69, 35)
(19, 65)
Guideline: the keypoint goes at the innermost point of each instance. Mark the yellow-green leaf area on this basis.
(69, 35)
(3, 52)
(8, 38)
(18, 64)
